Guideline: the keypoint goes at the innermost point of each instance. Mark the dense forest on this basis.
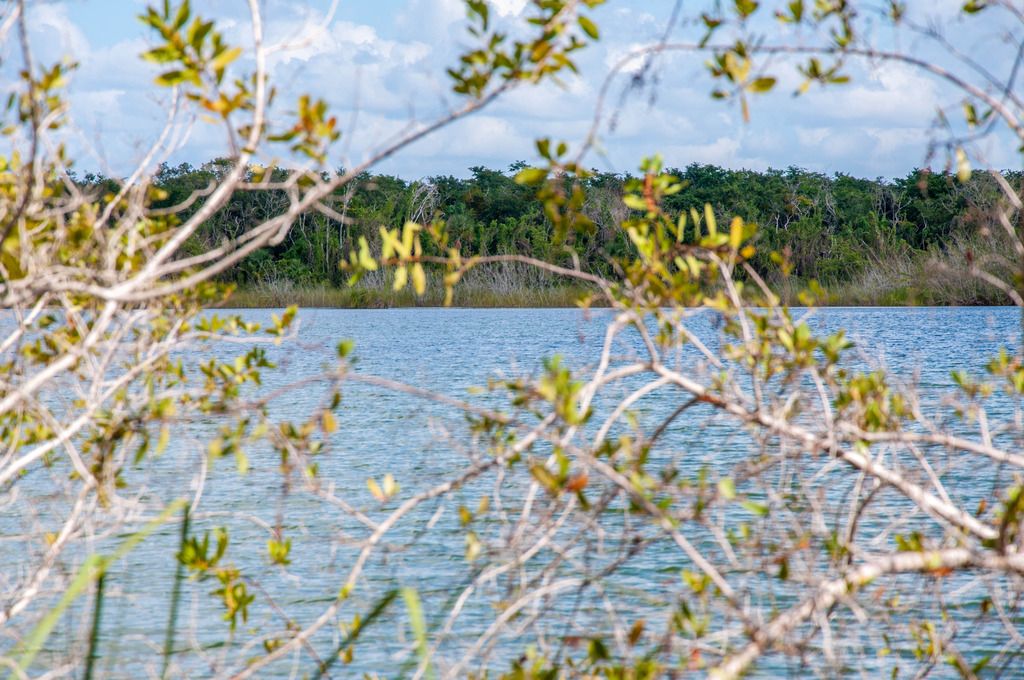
(904, 240)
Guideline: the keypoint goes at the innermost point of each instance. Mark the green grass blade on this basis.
(94, 632)
(364, 623)
(419, 627)
(179, 576)
(91, 570)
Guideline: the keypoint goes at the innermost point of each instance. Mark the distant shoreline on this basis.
(560, 296)
(328, 297)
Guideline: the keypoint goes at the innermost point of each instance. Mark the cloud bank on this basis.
(381, 67)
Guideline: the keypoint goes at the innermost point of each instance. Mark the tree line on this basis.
(829, 227)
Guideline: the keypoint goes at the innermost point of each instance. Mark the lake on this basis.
(420, 442)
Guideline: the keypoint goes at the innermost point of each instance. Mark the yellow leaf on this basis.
(389, 244)
(408, 231)
(473, 547)
(727, 488)
(736, 233)
(635, 202)
(419, 279)
(385, 490)
(366, 260)
(401, 277)
(709, 219)
(390, 486)
(375, 489)
(164, 439)
(963, 166)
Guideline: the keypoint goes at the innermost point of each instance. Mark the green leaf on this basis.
(545, 478)
(589, 27)
(635, 202)
(170, 78)
(197, 32)
(183, 13)
(224, 58)
(480, 9)
(544, 148)
(531, 176)
(762, 84)
(745, 7)
(756, 508)
(796, 7)
(161, 55)
(970, 114)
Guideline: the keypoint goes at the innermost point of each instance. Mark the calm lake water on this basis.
(450, 350)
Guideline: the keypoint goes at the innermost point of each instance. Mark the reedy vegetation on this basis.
(789, 549)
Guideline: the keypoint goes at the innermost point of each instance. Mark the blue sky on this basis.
(380, 64)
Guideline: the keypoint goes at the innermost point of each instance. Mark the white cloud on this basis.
(431, 19)
(899, 140)
(509, 8)
(627, 59)
(549, 102)
(725, 150)
(892, 92)
(485, 136)
(53, 34)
